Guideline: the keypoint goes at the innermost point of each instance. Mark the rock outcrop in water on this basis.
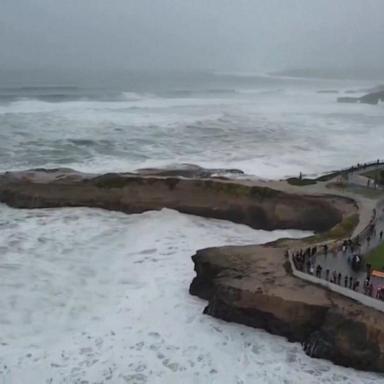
(258, 207)
(249, 285)
(189, 171)
(372, 98)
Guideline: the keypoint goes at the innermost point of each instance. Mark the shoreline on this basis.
(251, 285)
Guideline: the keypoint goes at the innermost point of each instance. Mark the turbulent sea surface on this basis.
(268, 127)
(89, 296)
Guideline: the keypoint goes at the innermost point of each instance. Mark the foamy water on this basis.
(269, 132)
(89, 296)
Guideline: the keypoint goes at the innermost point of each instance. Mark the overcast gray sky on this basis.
(191, 34)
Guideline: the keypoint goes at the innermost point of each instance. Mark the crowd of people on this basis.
(361, 166)
(306, 260)
(352, 250)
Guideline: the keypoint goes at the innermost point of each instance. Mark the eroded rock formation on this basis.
(253, 286)
(258, 207)
(189, 171)
(372, 98)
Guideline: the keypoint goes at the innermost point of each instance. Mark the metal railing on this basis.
(357, 296)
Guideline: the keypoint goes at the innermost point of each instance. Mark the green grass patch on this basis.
(329, 176)
(340, 231)
(370, 174)
(366, 192)
(232, 189)
(369, 193)
(376, 258)
(300, 182)
(240, 190)
(115, 180)
(375, 174)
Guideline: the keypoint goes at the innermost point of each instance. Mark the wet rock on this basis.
(189, 171)
(328, 91)
(258, 207)
(372, 98)
(238, 288)
(347, 99)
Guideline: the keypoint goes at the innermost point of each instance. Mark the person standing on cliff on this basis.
(311, 269)
(308, 264)
(370, 289)
(366, 285)
(368, 268)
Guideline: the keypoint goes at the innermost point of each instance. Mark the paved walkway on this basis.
(366, 203)
(336, 262)
(339, 262)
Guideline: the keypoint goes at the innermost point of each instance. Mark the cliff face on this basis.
(249, 285)
(258, 207)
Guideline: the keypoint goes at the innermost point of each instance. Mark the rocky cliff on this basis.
(258, 207)
(253, 286)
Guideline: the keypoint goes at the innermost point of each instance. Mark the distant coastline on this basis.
(375, 74)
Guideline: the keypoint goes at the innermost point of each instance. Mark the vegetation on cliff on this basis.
(376, 258)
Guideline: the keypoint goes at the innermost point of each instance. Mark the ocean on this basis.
(90, 296)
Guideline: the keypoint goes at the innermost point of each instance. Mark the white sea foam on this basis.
(269, 132)
(89, 296)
